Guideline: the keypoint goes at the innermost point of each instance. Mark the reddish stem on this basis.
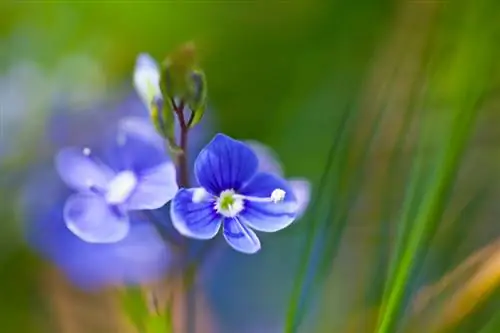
(182, 166)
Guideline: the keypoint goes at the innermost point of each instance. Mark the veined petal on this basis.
(302, 190)
(225, 164)
(268, 160)
(194, 218)
(79, 171)
(147, 78)
(137, 146)
(89, 217)
(268, 216)
(240, 237)
(156, 186)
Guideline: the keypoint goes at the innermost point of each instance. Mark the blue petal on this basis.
(268, 160)
(225, 164)
(240, 237)
(81, 172)
(155, 188)
(137, 146)
(268, 216)
(194, 219)
(302, 190)
(89, 217)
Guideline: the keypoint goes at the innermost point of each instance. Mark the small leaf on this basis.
(197, 96)
(135, 307)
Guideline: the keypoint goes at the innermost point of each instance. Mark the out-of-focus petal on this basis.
(155, 188)
(147, 78)
(240, 237)
(225, 164)
(79, 171)
(89, 217)
(143, 127)
(194, 219)
(268, 160)
(136, 147)
(268, 216)
(302, 190)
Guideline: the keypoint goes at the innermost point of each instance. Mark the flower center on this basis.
(121, 187)
(228, 204)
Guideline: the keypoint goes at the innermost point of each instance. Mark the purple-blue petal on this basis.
(141, 257)
(136, 146)
(81, 172)
(89, 217)
(197, 220)
(268, 160)
(302, 190)
(268, 216)
(155, 187)
(225, 164)
(240, 237)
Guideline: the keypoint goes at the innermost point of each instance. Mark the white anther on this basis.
(278, 195)
(86, 151)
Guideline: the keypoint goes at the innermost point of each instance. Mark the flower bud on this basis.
(147, 85)
(182, 80)
(147, 80)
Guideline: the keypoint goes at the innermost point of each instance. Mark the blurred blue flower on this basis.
(142, 255)
(268, 162)
(232, 194)
(139, 177)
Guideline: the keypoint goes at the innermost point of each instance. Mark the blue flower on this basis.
(140, 176)
(234, 195)
(142, 256)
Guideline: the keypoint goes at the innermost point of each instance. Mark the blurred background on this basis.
(389, 109)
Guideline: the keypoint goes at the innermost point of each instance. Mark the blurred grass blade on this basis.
(493, 325)
(292, 317)
(459, 85)
(334, 185)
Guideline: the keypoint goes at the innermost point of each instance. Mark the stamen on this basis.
(86, 151)
(277, 195)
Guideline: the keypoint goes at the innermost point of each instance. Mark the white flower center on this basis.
(229, 204)
(121, 187)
